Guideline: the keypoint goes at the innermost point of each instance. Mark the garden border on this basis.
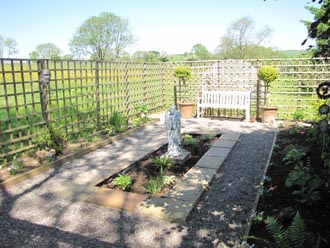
(21, 177)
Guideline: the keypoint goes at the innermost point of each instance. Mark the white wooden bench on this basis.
(224, 100)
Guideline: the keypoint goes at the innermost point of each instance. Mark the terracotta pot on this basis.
(268, 114)
(186, 109)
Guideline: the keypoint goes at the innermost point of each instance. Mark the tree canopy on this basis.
(200, 52)
(99, 34)
(319, 29)
(242, 39)
(46, 51)
(8, 45)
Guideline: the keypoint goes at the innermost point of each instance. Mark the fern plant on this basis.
(162, 162)
(293, 236)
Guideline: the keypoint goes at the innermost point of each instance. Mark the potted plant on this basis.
(183, 73)
(268, 74)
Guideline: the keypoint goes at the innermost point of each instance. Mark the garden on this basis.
(294, 204)
(293, 207)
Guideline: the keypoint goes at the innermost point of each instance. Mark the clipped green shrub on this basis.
(182, 73)
(267, 74)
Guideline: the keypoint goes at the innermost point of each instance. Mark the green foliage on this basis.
(242, 39)
(299, 115)
(267, 74)
(163, 162)
(294, 130)
(325, 156)
(99, 33)
(293, 236)
(200, 52)
(124, 182)
(207, 137)
(52, 137)
(46, 51)
(155, 184)
(293, 156)
(305, 183)
(298, 177)
(168, 179)
(16, 167)
(190, 142)
(319, 28)
(183, 73)
(117, 124)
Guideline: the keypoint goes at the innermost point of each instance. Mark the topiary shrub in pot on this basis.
(268, 74)
(183, 73)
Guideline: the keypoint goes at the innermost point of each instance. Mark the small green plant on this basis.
(16, 167)
(189, 141)
(306, 185)
(299, 176)
(299, 115)
(207, 137)
(294, 156)
(325, 156)
(117, 124)
(168, 179)
(124, 182)
(163, 162)
(155, 184)
(52, 137)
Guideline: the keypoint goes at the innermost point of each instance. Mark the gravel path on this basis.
(32, 217)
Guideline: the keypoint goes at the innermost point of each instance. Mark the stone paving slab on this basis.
(187, 191)
(225, 143)
(166, 208)
(117, 199)
(230, 136)
(199, 176)
(210, 162)
(218, 152)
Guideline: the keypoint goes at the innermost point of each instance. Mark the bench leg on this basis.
(247, 119)
(198, 112)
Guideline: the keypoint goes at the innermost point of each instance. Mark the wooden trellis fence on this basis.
(82, 94)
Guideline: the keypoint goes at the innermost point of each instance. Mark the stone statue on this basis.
(173, 127)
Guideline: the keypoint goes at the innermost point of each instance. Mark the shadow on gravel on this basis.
(21, 233)
(220, 216)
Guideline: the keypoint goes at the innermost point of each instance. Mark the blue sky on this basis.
(172, 26)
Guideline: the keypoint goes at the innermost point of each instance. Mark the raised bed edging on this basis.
(21, 177)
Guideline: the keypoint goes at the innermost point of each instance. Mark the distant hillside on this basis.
(295, 53)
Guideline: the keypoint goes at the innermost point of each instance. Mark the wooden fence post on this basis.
(127, 92)
(97, 93)
(43, 92)
(163, 85)
(144, 76)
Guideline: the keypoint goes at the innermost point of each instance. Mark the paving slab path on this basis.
(49, 210)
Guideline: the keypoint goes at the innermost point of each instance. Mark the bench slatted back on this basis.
(227, 99)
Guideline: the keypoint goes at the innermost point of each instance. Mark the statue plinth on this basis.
(181, 158)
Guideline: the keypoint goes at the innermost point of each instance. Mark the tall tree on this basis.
(46, 51)
(200, 51)
(241, 34)
(2, 45)
(9, 45)
(319, 29)
(100, 33)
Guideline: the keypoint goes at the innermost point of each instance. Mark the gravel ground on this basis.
(32, 217)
